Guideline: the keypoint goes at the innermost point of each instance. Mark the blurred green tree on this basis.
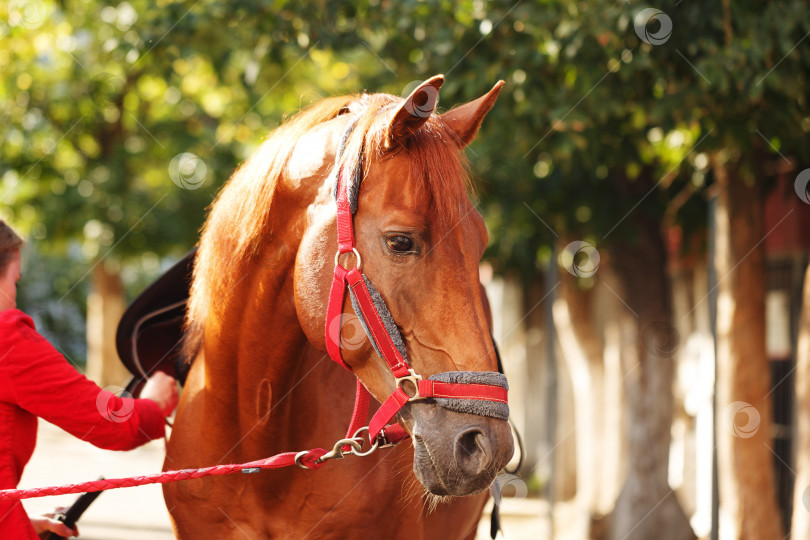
(120, 121)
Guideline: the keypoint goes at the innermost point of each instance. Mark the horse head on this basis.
(419, 239)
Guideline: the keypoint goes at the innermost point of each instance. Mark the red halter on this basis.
(381, 338)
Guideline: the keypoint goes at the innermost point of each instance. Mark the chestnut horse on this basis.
(261, 383)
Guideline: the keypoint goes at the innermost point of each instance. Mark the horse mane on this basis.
(239, 220)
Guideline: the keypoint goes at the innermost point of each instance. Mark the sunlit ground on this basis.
(131, 513)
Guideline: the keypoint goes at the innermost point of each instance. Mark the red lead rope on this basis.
(310, 459)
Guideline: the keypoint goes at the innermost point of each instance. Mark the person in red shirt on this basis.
(37, 381)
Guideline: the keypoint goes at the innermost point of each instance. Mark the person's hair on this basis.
(10, 243)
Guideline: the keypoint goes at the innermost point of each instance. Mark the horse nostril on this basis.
(472, 451)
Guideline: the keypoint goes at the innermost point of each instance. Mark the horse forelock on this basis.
(438, 166)
(239, 220)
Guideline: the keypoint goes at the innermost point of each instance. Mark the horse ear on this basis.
(465, 119)
(414, 111)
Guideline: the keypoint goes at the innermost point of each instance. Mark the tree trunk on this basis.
(520, 333)
(535, 436)
(563, 450)
(801, 494)
(616, 323)
(582, 353)
(105, 306)
(647, 507)
(748, 509)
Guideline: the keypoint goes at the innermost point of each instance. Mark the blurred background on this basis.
(644, 178)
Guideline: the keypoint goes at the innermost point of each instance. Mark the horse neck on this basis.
(258, 360)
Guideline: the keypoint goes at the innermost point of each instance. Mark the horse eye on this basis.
(399, 243)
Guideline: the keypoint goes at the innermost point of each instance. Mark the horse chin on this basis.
(457, 454)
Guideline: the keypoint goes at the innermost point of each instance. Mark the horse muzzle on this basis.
(457, 453)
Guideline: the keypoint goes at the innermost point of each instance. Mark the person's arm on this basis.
(42, 382)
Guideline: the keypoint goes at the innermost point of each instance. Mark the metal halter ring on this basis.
(298, 457)
(414, 379)
(357, 451)
(356, 254)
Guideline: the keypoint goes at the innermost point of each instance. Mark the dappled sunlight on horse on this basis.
(261, 381)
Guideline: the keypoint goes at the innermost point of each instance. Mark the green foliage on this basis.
(594, 119)
(52, 292)
(98, 99)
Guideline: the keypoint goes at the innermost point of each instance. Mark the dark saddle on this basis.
(150, 333)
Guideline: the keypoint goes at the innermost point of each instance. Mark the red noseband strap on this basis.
(481, 399)
(481, 393)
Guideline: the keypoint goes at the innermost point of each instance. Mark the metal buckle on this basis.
(414, 379)
(356, 254)
(382, 440)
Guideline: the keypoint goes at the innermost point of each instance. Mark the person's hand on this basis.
(47, 523)
(161, 389)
